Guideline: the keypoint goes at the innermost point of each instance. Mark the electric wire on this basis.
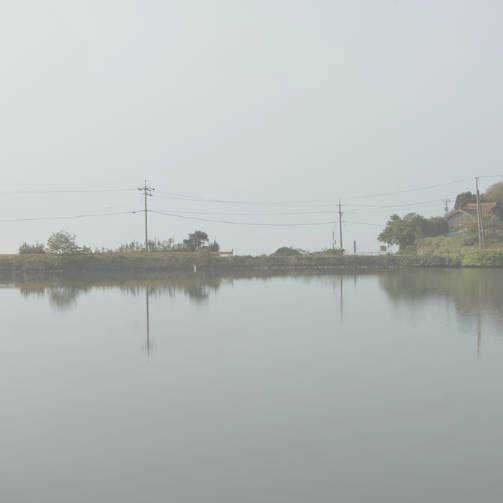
(265, 224)
(69, 217)
(185, 197)
(63, 191)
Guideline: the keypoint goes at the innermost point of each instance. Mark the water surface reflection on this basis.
(475, 295)
(191, 385)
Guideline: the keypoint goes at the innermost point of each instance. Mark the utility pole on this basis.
(147, 192)
(446, 205)
(480, 223)
(333, 243)
(340, 227)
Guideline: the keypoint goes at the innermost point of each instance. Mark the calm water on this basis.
(286, 389)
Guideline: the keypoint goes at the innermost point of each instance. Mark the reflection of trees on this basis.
(198, 293)
(472, 291)
(64, 291)
(62, 297)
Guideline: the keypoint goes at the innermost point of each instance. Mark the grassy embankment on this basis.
(185, 261)
(431, 252)
(446, 251)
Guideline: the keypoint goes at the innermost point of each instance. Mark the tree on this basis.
(495, 193)
(437, 226)
(63, 243)
(406, 231)
(464, 198)
(397, 232)
(286, 251)
(31, 249)
(214, 247)
(196, 240)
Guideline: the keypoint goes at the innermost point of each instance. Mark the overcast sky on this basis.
(277, 100)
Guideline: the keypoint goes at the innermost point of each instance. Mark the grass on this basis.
(187, 261)
(430, 252)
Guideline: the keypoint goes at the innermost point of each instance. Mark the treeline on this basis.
(205, 261)
(64, 243)
(406, 232)
(494, 194)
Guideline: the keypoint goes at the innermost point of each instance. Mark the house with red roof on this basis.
(461, 218)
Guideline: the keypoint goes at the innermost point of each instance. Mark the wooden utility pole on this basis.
(340, 227)
(480, 224)
(446, 206)
(147, 192)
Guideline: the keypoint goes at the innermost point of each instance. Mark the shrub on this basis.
(31, 249)
(286, 251)
(64, 243)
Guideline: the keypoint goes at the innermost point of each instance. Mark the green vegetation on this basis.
(31, 249)
(286, 251)
(199, 240)
(405, 231)
(64, 243)
(464, 198)
(427, 242)
(494, 193)
(153, 245)
(184, 261)
(458, 251)
(432, 253)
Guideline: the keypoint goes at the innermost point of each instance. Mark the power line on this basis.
(401, 205)
(185, 197)
(63, 191)
(239, 223)
(362, 223)
(72, 217)
(417, 189)
(291, 213)
(265, 224)
(254, 214)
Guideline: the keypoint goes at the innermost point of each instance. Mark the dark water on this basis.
(285, 389)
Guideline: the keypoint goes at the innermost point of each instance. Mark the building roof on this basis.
(471, 209)
(485, 207)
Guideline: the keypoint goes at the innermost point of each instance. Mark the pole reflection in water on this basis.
(148, 344)
(479, 333)
(479, 318)
(341, 298)
(342, 305)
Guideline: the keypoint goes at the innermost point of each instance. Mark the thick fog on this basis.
(295, 104)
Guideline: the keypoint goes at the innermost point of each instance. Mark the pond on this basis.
(189, 388)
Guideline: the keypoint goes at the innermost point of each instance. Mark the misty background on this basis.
(246, 102)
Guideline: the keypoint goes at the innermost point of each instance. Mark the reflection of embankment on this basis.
(472, 291)
(64, 290)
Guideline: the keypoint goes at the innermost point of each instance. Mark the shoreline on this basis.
(157, 262)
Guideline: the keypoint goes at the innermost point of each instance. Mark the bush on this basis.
(286, 251)
(31, 249)
(64, 243)
(483, 258)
